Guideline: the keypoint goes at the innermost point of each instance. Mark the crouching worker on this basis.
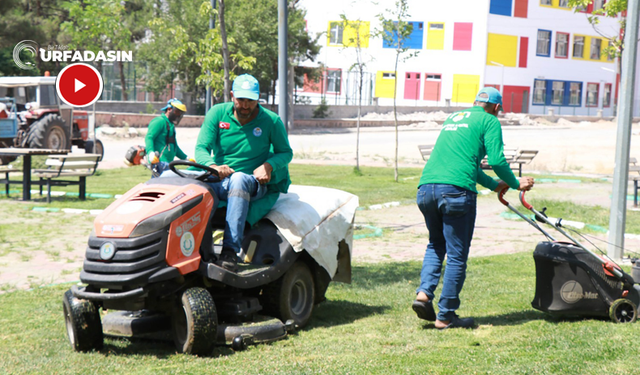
(160, 142)
(248, 146)
(447, 199)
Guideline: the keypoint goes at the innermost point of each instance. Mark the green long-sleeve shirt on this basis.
(222, 140)
(466, 137)
(156, 140)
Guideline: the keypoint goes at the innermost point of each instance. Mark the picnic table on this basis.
(26, 154)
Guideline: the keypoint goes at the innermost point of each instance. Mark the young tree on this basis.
(357, 36)
(395, 32)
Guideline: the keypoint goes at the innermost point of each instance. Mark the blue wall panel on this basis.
(501, 7)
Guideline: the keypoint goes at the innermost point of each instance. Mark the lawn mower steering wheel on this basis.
(203, 177)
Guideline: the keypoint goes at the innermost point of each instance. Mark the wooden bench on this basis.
(521, 158)
(516, 158)
(61, 167)
(6, 170)
(425, 151)
(509, 154)
(634, 175)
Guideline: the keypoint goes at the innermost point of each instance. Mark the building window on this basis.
(333, 80)
(436, 26)
(335, 32)
(598, 4)
(562, 44)
(563, 4)
(592, 94)
(578, 46)
(606, 95)
(544, 37)
(388, 76)
(436, 77)
(539, 91)
(575, 93)
(596, 45)
(545, 2)
(557, 89)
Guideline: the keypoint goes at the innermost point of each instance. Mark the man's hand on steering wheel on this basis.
(224, 171)
(208, 171)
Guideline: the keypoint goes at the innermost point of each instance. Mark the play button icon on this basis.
(79, 85)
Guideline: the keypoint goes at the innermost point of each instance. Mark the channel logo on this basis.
(79, 85)
(29, 46)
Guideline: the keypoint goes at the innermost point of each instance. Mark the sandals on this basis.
(424, 310)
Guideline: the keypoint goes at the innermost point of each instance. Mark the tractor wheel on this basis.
(623, 311)
(88, 148)
(49, 132)
(292, 296)
(82, 320)
(195, 322)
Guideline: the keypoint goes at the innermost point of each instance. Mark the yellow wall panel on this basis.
(465, 88)
(384, 85)
(351, 30)
(502, 49)
(435, 37)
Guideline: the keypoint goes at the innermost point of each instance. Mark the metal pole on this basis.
(207, 100)
(282, 62)
(618, 213)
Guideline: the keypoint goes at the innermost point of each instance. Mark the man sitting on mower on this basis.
(248, 146)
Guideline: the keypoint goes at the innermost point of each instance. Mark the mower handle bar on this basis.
(607, 262)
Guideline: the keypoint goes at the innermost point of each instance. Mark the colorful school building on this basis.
(543, 56)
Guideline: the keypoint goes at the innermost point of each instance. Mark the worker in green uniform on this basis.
(248, 146)
(161, 144)
(447, 199)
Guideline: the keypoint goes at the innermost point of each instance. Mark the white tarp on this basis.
(316, 219)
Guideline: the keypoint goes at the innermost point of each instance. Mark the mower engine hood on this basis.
(149, 207)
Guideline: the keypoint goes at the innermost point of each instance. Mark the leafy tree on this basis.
(358, 40)
(98, 25)
(395, 32)
(611, 8)
(33, 20)
(254, 25)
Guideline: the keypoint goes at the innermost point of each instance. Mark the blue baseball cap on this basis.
(489, 95)
(245, 86)
(175, 103)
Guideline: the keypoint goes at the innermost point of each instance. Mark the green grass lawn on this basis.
(366, 327)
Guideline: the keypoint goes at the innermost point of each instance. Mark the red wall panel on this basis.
(521, 8)
(524, 52)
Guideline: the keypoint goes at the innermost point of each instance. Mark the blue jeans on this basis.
(238, 190)
(450, 214)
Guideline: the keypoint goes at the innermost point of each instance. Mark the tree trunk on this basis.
(395, 113)
(123, 82)
(225, 50)
(360, 77)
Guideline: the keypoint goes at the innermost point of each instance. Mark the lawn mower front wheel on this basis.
(623, 311)
(195, 322)
(82, 320)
